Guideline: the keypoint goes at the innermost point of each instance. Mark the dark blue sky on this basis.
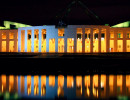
(40, 12)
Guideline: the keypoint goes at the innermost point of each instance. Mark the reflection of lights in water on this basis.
(43, 91)
(2, 88)
(88, 93)
(81, 90)
(59, 91)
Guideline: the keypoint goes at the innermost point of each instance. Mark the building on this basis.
(71, 39)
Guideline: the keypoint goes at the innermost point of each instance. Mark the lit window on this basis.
(43, 34)
(119, 35)
(128, 35)
(111, 35)
(79, 30)
(61, 32)
(96, 36)
(3, 35)
(11, 35)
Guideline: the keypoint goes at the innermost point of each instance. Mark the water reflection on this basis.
(89, 86)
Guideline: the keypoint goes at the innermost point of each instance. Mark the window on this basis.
(96, 36)
(29, 36)
(102, 35)
(128, 35)
(79, 36)
(111, 35)
(61, 32)
(119, 35)
(3, 35)
(11, 35)
(85, 36)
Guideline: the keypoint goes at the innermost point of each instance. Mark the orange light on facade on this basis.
(70, 81)
(36, 85)
(3, 78)
(29, 84)
(52, 81)
(43, 85)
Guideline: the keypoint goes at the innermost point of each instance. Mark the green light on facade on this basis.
(7, 25)
(124, 24)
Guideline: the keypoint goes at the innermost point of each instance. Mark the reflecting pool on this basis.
(67, 87)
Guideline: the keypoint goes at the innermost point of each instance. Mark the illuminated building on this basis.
(71, 39)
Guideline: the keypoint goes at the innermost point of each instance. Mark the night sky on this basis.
(41, 12)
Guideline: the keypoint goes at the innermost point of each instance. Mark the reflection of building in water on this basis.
(111, 85)
(119, 84)
(22, 85)
(95, 85)
(52, 81)
(43, 85)
(87, 85)
(29, 84)
(60, 90)
(78, 86)
(70, 81)
(3, 85)
(36, 85)
(90, 86)
(103, 86)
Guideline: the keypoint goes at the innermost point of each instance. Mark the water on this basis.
(65, 87)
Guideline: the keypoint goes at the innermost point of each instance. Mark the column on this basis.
(19, 40)
(91, 40)
(26, 39)
(32, 40)
(124, 85)
(40, 39)
(7, 42)
(75, 43)
(99, 86)
(65, 41)
(83, 40)
(107, 39)
(99, 41)
(56, 44)
(115, 40)
(15, 41)
(47, 39)
(124, 41)
(0, 41)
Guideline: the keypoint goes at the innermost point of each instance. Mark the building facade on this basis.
(72, 39)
